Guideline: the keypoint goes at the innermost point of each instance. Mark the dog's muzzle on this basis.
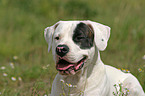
(67, 68)
(64, 66)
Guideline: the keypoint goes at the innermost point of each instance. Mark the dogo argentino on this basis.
(75, 48)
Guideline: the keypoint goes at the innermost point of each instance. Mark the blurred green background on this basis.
(26, 68)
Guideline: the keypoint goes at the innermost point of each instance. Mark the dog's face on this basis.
(74, 44)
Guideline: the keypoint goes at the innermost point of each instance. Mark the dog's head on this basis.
(74, 43)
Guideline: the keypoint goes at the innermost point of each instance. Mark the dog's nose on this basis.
(62, 50)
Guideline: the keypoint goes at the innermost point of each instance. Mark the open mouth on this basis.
(66, 68)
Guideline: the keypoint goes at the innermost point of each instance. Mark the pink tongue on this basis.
(63, 67)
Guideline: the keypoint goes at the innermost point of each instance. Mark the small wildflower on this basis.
(5, 74)
(62, 80)
(12, 65)
(127, 91)
(120, 84)
(45, 95)
(3, 67)
(13, 78)
(139, 69)
(124, 70)
(45, 67)
(127, 71)
(15, 57)
(69, 85)
(120, 91)
(19, 78)
(74, 86)
(117, 86)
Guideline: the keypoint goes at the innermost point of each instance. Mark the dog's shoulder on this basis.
(115, 74)
(113, 71)
(129, 81)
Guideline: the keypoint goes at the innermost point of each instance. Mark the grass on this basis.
(21, 34)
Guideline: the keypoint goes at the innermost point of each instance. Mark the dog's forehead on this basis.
(64, 27)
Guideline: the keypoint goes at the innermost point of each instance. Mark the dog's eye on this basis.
(80, 38)
(56, 38)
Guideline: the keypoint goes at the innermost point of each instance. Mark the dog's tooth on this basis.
(81, 66)
(72, 68)
(64, 71)
(61, 72)
(67, 72)
(59, 58)
(72, 72)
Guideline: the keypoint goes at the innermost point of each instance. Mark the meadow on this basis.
(27, 69)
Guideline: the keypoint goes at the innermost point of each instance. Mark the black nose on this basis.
(62, 50)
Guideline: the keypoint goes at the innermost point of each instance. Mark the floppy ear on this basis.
(48, 34)
(101, 35)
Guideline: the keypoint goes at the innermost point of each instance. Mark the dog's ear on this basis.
(101, 34)
(48, 34)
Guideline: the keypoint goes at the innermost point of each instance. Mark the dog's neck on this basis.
(83, 79)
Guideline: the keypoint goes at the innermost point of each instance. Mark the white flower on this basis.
(122, 92)
(12, 65)
(45, 95)
(3, 67)
(5, 74)
(118, 87)
(127, 71)
(69, 85)
(15, 57)
(47, 65)
(43, 67)
(62, 80)
(19, 78)
(13, 78)
(139, 69)
(126, 91)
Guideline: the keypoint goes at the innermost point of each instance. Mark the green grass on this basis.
(22, 23)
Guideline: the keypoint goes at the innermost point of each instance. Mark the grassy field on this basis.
(26, 68)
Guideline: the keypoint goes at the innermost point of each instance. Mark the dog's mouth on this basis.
(66, 68)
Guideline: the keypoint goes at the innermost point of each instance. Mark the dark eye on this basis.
(80, 38)
(57, 38)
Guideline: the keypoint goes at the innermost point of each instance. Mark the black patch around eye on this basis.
(83, 36)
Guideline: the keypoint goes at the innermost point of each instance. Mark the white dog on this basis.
(75, 48)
